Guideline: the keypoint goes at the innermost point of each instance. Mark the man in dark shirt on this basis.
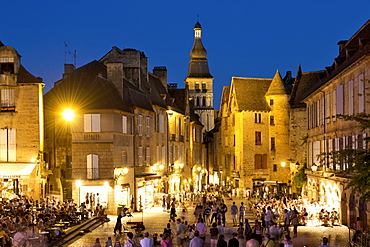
(234, 242)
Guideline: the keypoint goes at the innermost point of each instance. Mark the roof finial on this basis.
(197, 17)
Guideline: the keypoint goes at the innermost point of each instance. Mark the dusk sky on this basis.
(242, 38)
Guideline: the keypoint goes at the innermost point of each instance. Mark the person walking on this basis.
(286, 221)
(202, 229)
(223, 209)
(118, 226)
(214, 234)
(221, 241)
(146, 241)
(295, 222)
(287, 241)
(97, 243)
(253, 242)
(234, 242)
(241, 212)
(180, 233)
(196, 241)
(166, 240)
(267, 242)
(325, 241)
(214, 213)
(268, 217)
(234, 212)
(129, 242)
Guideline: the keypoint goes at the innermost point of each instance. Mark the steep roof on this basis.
(26, 77)
(250, 93)
(277, 86)
(86, 88)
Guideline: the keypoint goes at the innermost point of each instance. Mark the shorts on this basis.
(179, 241)
(233, 216)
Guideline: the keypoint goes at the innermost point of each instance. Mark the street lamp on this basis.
(314, 167)
(297, 165)
(68, 115)
(283, 164)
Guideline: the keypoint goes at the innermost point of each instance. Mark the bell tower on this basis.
(200, 81)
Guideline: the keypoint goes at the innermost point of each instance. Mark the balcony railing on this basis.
(181, 138)
(173, 137)
(88, 173)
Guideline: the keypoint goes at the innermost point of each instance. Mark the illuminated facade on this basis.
(341, 90)
(200, 81)
(21, 128)
(254, 134)
(129, 143)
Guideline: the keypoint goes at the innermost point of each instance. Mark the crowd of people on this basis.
(274, 218)
(26, 221)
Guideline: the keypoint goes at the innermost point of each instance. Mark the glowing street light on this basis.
(68, 115)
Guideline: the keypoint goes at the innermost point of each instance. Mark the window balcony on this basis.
(88, 173)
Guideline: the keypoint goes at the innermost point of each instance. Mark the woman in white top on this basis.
(287, 242)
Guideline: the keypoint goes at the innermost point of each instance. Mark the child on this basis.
(109, 243)
(190, 233)
(155, 239)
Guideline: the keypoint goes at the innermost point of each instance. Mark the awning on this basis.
(16, 170)
(141, 175)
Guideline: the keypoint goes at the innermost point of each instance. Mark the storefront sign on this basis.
(9, 176)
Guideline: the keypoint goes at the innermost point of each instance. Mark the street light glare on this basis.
(68, 114)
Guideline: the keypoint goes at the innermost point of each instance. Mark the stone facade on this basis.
(21, 126)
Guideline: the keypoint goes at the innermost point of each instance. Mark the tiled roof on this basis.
(277, 86)
(250, 93)
(86, 89)
(26, 77)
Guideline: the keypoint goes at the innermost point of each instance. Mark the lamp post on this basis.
(199, 178)
(68, 115)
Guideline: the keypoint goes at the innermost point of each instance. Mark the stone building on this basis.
(129, 142)
(254, 135)
(200, 81)
(340, 90)
(21, 128)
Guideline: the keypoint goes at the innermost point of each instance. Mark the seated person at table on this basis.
(4, 237)
(20, 237)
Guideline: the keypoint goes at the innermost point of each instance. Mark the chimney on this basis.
(161, 73)
(115, 74)
(68, 69)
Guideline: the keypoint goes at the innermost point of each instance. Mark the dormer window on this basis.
(196, 86)
(6, 65)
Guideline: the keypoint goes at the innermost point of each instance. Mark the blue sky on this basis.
(242, 37)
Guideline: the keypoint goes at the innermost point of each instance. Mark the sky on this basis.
(243, 38)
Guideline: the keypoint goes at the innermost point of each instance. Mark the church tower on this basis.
(200, 81)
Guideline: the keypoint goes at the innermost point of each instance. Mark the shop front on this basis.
(19, 179)
(149, 191)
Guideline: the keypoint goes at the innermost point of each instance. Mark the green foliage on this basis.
(358, 171)
(300, 178)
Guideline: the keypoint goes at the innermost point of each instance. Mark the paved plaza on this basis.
(155, 220)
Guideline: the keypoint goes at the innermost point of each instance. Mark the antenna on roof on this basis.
(198, 18)
(75, 57)
(65, 52)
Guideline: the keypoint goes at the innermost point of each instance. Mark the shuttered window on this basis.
(91, 122)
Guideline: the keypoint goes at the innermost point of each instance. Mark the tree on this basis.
(355, 161)
(300, 178)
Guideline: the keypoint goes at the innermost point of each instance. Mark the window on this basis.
(147, 152)
(339, 90)
(272, 120)
(260, 161)
(271, 102)
(234, 140)
(6, 65)
(7, 100)
(8, 145)
(124, 125)
(124, 158)
(140, 156)
(350, 97)
(274, 167)
(258, 138)
(273, 147)
(204, 101)
(196, 86)
(160, 123)
(204, 85)
(163, 155)
(92, 166)
(91, 122)
(147, 126)
(361, 93)
(257, 117)
(140, 125)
